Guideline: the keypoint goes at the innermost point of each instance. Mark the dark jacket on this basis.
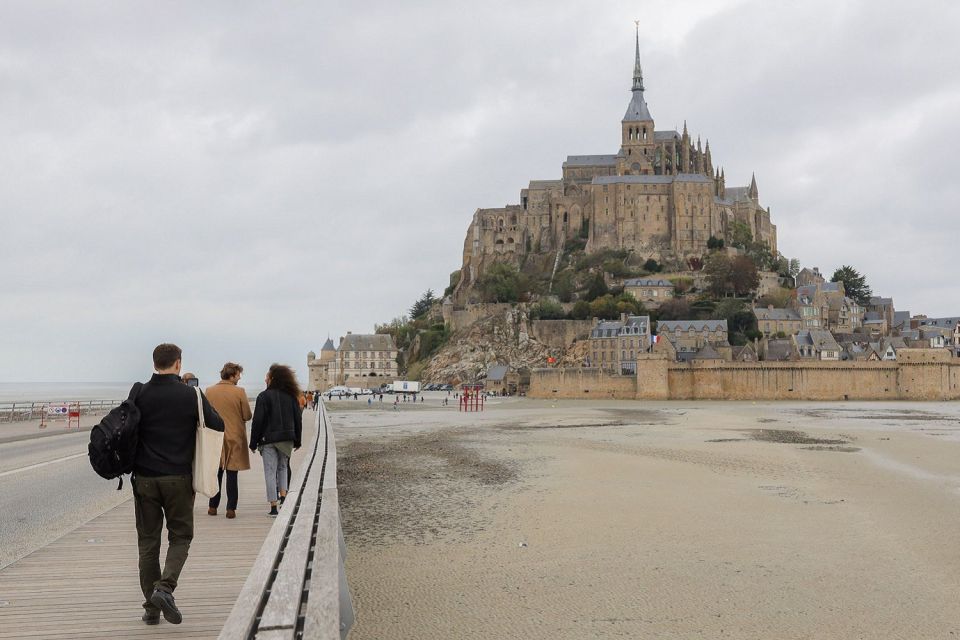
(276, 418)
(168, 426)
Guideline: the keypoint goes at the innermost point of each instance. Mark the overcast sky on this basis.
(245, 178)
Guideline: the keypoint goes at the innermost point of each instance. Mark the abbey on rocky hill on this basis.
(659, 196)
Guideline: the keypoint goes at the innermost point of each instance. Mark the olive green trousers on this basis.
(156, 498)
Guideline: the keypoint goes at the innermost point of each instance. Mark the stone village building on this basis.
(360, 360)
(651, 292)
(659, 195)
(615, 344)
(688, 337)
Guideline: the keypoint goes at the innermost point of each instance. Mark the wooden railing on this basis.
(297, 587)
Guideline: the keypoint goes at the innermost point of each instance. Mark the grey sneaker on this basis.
(167, 605)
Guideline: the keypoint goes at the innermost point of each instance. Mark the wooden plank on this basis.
(74, 589)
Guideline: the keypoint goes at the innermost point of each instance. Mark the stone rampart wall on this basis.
(660, 379)
(581, 383)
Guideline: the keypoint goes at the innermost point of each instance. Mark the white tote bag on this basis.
(206, 455)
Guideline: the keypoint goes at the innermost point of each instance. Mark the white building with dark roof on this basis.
(364, 360)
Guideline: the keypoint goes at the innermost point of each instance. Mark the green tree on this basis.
(616, 268)
(744, 277)
(605, 307)
(674, 309)
(596, 287)
(652, 266)
(422, 306)
(502, 283)
(580, 311)
(546, 310)
(794, 269)
(714, 243)
(740, 234)
(854, 283)
(718, 269)
(563, 286)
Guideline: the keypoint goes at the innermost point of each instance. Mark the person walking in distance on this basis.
(277, 430)
(162, 479)
(232, 404)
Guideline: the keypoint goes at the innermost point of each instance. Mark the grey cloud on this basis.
(247, 178)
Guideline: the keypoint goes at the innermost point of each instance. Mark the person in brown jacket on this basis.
(232, 404)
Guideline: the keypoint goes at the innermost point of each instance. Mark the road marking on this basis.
(41, 464)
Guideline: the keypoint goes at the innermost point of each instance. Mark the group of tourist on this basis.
(162, 475)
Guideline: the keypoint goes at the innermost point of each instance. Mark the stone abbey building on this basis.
(659, 195)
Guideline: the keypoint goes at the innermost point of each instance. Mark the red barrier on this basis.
(472, 398)
(73, 415)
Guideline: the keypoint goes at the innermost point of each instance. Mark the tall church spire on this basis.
(637, 69)
(637, 110)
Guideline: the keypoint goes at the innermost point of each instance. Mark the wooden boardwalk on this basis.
(85, 584)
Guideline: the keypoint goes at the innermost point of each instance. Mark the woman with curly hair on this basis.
(277, 429)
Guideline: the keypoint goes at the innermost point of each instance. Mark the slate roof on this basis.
(606, 329)
(670, 326)
(591, 161)
(738, 352)
(546, 184)
(946, 323)
(707, 352)
(737, 193)
(775, 314)
(665, 135)
(819, 339)
(638, 321)
(328, 346)
(878, 301)
(613, 328)
(498, 372)
(902, 319)
(367, 342)
(779, 350)
(637, 109)
(651, 179)
(647, 282)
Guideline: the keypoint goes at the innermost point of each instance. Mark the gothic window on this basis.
(513, 219)
(499, 224)
(564, 217)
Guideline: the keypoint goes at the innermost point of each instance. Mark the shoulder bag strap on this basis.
(201, 423)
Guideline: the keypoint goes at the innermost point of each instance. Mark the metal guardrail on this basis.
(21, 411)
(297, 587)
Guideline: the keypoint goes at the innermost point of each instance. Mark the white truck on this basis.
(406, 386)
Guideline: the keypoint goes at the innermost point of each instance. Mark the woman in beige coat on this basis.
(232, 404)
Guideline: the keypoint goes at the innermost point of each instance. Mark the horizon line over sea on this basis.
(72, 391)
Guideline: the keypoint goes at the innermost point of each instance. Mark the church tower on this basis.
(637, 140)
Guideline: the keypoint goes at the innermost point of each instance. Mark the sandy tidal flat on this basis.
(570, 520)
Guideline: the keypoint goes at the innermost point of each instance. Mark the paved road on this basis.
(47, 488)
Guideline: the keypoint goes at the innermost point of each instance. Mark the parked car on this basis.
(337, 392)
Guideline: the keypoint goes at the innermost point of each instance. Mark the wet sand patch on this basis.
(784, 436)
(415, 488)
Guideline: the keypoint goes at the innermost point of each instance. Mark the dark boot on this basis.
(167, 605)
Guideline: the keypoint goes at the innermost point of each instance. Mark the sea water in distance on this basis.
(72, 391)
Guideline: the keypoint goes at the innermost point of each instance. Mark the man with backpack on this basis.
(162, 479)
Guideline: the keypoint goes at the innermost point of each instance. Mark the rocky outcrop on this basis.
(504, 338)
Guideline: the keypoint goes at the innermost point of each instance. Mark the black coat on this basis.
(166, 435)
(276, 418)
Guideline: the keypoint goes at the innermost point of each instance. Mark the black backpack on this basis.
(113, 441)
